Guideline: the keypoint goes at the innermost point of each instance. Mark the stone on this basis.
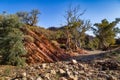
(75, 67)
(90, 73)
(81, 72)
(47, 75)
(61, 71)
(24, 74)
(84, 78)
(52, 71)
(73, 61)
(103, 72)
(39, 78)
(75, 73)
(71, 77)
(112, 77)
(38, 67)
(62, 78)
(29, 77)
(7, 78)
(31, 68)
(68, 73)
(43, 65)
(24, 78)
(81, 66)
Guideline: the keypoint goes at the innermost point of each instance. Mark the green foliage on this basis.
(105, 32)
(11, 44)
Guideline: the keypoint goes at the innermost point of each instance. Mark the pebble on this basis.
(61, 71)
(62, 78)
(73, 61)
(24, 74)
(43, 65)
(39, 78)
(52, 71)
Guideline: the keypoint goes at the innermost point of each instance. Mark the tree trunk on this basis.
(68, 42)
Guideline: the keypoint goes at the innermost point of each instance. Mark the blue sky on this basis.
(52, 11)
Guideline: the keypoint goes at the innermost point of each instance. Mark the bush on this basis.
(11, 41)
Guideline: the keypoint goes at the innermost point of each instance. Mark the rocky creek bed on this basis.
(101, 67)
(71, 70)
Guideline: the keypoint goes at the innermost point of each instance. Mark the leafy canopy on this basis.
(105, 32)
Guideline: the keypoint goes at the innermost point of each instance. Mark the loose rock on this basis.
(73, 61)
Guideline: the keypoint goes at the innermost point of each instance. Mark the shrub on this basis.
(11, 41)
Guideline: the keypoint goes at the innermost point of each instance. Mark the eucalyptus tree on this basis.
(105, 32)
(75, 27)
(30, 18)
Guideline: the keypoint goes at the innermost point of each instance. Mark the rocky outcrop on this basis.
(39, 48)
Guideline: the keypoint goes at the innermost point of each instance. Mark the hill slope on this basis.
(39, 48)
